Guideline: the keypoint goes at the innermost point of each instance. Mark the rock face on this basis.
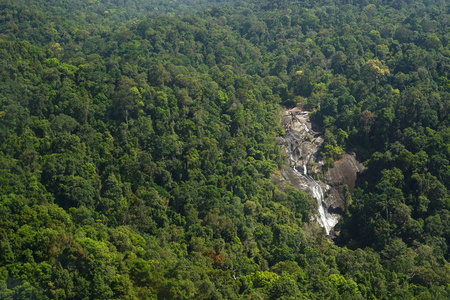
(343, 173)
(302, 142)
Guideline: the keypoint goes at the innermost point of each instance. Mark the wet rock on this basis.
(302, 143)
(344, 172)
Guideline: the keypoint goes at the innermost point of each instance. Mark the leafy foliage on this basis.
(138, 150)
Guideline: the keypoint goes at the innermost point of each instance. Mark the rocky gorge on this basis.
(302, 141)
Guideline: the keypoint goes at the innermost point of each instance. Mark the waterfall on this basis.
(326, 220)
(300, 151)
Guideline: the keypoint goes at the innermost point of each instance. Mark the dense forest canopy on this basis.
(138, 150)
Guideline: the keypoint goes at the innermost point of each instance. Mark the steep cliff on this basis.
(302, 142)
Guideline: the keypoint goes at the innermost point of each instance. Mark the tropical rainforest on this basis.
(138, 148)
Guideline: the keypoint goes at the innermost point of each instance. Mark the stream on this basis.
(302, 145)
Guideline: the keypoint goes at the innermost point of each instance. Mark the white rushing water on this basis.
(326, 219)
(294, 141)
(307, 129)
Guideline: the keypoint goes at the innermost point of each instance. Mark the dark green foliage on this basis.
(138, 153)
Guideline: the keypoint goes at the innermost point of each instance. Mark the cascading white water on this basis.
(302, 145)
(300, 150)
(307, 129)
(326, 220)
